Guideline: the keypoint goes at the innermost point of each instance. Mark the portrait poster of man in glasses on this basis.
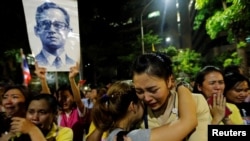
(53, 40)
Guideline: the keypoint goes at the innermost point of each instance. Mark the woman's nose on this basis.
(244, 93)
(35, 116)
(147, 97)
(218, 86)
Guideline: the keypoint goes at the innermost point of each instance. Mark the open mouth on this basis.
(9, 108)
(37, 123)
(241, 99)
(152, 104)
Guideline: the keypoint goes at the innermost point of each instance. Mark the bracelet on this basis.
(185, 84)
(179, 84)
(225, 119)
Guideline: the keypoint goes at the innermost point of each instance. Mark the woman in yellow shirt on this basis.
(39, 123)
(236, 91)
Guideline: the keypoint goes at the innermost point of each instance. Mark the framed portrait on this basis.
(53, 32)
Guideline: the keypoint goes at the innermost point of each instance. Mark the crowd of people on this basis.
(150, 107)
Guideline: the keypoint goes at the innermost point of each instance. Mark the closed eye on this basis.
(153, 90)
(139, 91)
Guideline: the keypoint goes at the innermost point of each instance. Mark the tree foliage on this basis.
(170, 51)
(186, 64)
(13, 53)
(150, 40)
(232, 60)
(227, 58)
(226, 16)
(231, 16)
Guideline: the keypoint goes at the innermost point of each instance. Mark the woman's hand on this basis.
(74, 71)
(40, 71)
(6, 136)
(21, 125)
(217, 108)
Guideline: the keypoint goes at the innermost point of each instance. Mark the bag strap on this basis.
(120, 135)
(145, 116)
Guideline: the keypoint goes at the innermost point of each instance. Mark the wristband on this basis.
(179, 84)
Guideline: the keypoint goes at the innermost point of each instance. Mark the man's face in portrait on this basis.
(52, 29)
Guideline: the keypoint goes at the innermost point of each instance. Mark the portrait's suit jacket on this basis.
(42, 60)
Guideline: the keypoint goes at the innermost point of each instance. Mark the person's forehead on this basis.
(39, 104)
(14, 91)
(144, 80)
(242, 84)
(213, 76)
(88, 92)
(64, 93)
(53, 15)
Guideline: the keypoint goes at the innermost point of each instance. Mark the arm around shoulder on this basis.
(204, 119)
(184, 125)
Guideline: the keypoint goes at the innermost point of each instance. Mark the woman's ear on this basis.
(132, 107)
(199, 87)
(169, 82)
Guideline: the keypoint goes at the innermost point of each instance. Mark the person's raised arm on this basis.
(75, 89)
(184, 125)
(41, 74)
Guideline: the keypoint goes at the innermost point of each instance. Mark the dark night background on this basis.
(107, 50)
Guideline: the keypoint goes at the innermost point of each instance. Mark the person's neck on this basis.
(45, 131)
(55, 52)
(68, 111)
(124, 124)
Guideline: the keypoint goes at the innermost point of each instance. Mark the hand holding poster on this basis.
(53, 32)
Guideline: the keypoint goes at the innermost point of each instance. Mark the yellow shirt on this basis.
(170, 115)
(235, 117)
(91, 130)
(60, 133)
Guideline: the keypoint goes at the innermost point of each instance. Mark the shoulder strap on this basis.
(145, 116)
(120, 135)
